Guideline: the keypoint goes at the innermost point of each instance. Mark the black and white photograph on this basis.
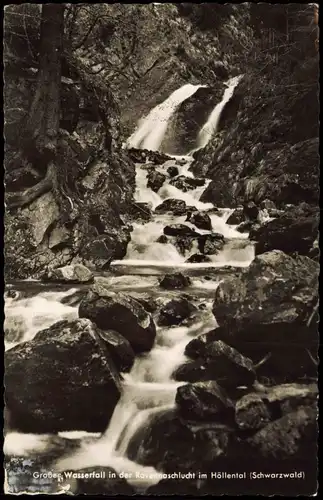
(161, 249)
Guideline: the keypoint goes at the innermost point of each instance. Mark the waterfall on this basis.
(149, 388)
(210, 127)
(152, 129)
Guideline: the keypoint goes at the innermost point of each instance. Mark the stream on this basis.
(148, 389)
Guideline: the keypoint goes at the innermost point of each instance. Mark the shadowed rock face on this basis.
(51, 379)
(295, 231)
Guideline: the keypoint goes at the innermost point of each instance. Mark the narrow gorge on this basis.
(161, 249)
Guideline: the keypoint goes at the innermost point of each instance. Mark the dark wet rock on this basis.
(155, 180)
(171, 444)
(162, 239)
(176, 280)
(198, 258)
(203, 400)
(210, 244)
(218, 361)
(229, 365)
(173, 206)
(175, 311)
(252, 412)
(142, 155)
(186, 183)
(193, 371)
(200, 220)
(173, 171)
(275, 288)
(141, 211)
(119, 312)
(237, 217)
(106, 481)
(51, 379)
(179, 230)
(75, 273)
(295, 231)
(292, 436)
(251, 211)
(119, 348)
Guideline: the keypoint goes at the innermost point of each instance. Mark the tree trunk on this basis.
(39, 144)
(43, 123)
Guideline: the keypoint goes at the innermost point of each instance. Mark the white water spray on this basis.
(152, 129)
(211, 125)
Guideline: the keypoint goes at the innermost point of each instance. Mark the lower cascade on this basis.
(150, 388)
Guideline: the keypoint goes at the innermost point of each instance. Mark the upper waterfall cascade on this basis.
(210, 127)
(152, 129)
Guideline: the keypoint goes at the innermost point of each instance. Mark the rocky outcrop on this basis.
(294, 232)
(275, 288)
(50, 380)
(119, 312)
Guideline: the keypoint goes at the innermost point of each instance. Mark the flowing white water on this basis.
(211, 125)
(24, 317)
(152, 129)
(149, 388)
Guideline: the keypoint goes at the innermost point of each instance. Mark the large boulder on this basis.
(204, 400)
(176, 280)
(173, 206)
(179, 230)
(175, 311)
(172, 444)
(274, 289)
(119, 312)
(63, 379)
(186, 183)
(76, 273)
(200, 219)
(295, 231)
(219, 362)
(292, 436)
(155, 180)
(210, 244)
